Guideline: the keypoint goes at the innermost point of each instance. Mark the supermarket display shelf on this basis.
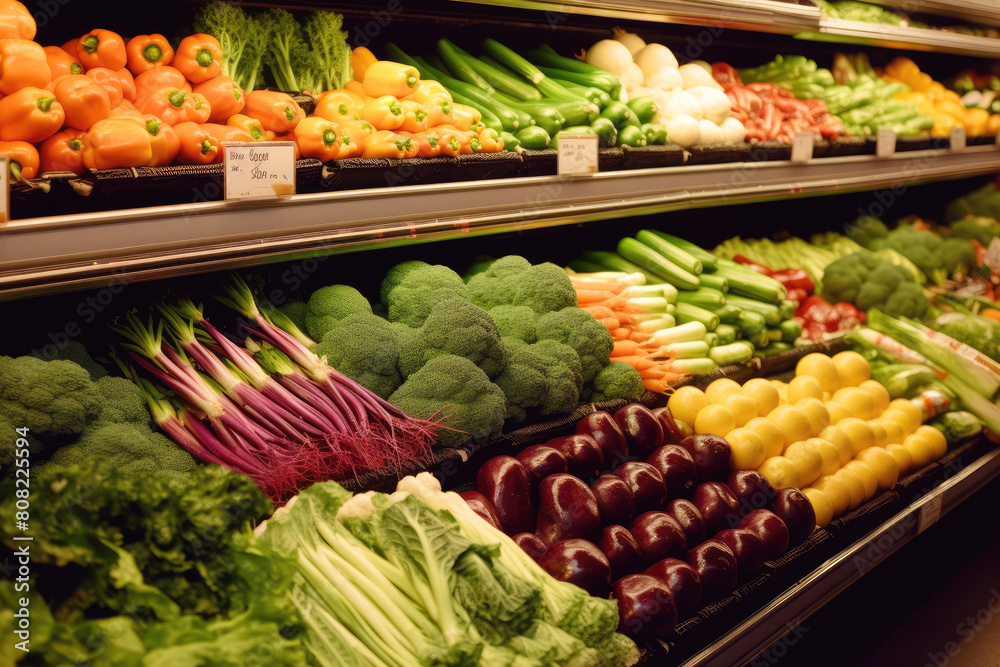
(921, 39)
(42, 255)
(754, 635)
(984, 12)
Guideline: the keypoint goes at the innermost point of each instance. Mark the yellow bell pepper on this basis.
(116, 142)
(385, 77)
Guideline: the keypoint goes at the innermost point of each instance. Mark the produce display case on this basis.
(54, 254)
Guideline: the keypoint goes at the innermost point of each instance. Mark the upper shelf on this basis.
(788, 18)
(73, 252)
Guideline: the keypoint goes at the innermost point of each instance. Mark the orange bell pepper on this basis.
(386, 143)
(22, 159)
(109, 81)
(451, 141)
(16, 21)
(319, 138)
(84, 101)
(429, 93)
(102, 48)
(384, 113)
(464, 118)
(289, 136)
(174, 106)
(414, 117)
(127, 110)
(199, 57)
(223, 95)
(163, 141)
(490, 141)
(116, 142)
(144, 52)
(356, 88)
(339, 106)
(361, 60)
(31, 114)
(438, 113)
(247, 124)
(128, 84)
(63, 151)
(70, 47)
(352, 139)
(197, 145)
(22, 63)
(428, 143)
(385, 77)
(225, 134)
(157, 78)
(61, 63)
(276, 111)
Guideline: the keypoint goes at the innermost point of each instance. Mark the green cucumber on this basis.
(656, 134)
(606, 132)
(510, 142)
(640, 253)
(713, 280)
(727, 314)
(612, 261)
(709, 262)
(631, 136)
(681, 258)
(605, 81)
(790, 330)
(460, 67)
(619, 114)
(703, 297)
(496, 78)
(549, 57)
(769, 311)
(688, 313)
(534, 138)
(595, 95)
(727, 333)
(644, 108)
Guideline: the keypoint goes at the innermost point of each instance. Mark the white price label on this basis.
(259, 170)
(958, 139)
(577, 154)
(802, 146)
(4, 189)
(885, 143)
(930, 512)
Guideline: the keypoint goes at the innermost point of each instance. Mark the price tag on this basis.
(802, 146)
(259, 170)
(930, 512)
(577, 154)
(4, 189)
(958, 139)
(885, 143)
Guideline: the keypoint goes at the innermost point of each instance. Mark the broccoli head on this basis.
(906, 300)
(127, 448)
(976, 228)
(47, 397)
(454, 389)
(515, 322)
(544, 375)
(362, 347)
(329, 305)
(868, 281)
(479, 264)
(512, 280)
(395, 275)
(454, 326)
(75, 351)
(296, 312)
(419, 290)
(866, 230)
(618, 380)
(123, 402)
(578, 329)
(957, 256)
(917, 245)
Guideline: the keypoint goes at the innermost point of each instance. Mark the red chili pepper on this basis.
(818, 314)
(795, 279)
(746, 261)
(726, 75)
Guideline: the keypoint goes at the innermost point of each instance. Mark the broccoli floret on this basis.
(296, 312)
(419, 290)
(544, 375)
(578, 329)
(128, 448)
(401, 333)
(976, 228)
(919, 246)
(75, 351)
(123, 402)
(868, 282)
(515, 322)
(454, 326)
(460, 393)
(906, 300)
(362, 347)
(395, 275)
(957, 256)
(47, 397)
(866, 230)
(512, 280)
(479, 265)
(329, 305)
(618, 380)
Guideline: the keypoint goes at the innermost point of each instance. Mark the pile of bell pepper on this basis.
(772, 113)
(101, 101)
(943, 105)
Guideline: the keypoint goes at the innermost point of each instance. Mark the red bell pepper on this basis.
(795, 279)
(750, 264)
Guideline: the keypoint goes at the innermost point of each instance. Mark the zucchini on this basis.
(727, 333)
(753, 327)
(713, 280)
(770, 312)
(727, 314)
(671, 252)
(595, 95)
(791, 330)
(614, 262)
(748, 283)
(774, 348)
(510, 142)
(522, 67)
(636, 251)
(631, 136)
(606, 81)
(496, 78)
(738, 352)
(549, 57)
(459, 67)
(688, 313)
(712, 338)
(703, 297)
(709, 262)
(534, 138)
(644, 108)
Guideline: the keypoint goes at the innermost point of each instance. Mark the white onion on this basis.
(702, 64)
(709, 133)
(631, 40)
(610, 55)
(631, 78)
(693, 75)
(714, 105)
(665, 78)
(655, 57)
(683, 131)
(682, 104)
(733, 131)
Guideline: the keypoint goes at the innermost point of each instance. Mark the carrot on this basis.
(991, 313)
(638, 362)
(639, 336)
(621, 333)
(652, 373)
(624, 348)
(599, 312)
(611, 323)
(598, 284)
(591, 297)
(658, 386)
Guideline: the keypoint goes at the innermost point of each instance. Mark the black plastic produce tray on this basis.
(646, 157)
(719, 153)
(362, 173)
(847, 146)
(981, 140)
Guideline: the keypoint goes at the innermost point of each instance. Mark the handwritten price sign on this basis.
(577, 154)
(259, 170)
